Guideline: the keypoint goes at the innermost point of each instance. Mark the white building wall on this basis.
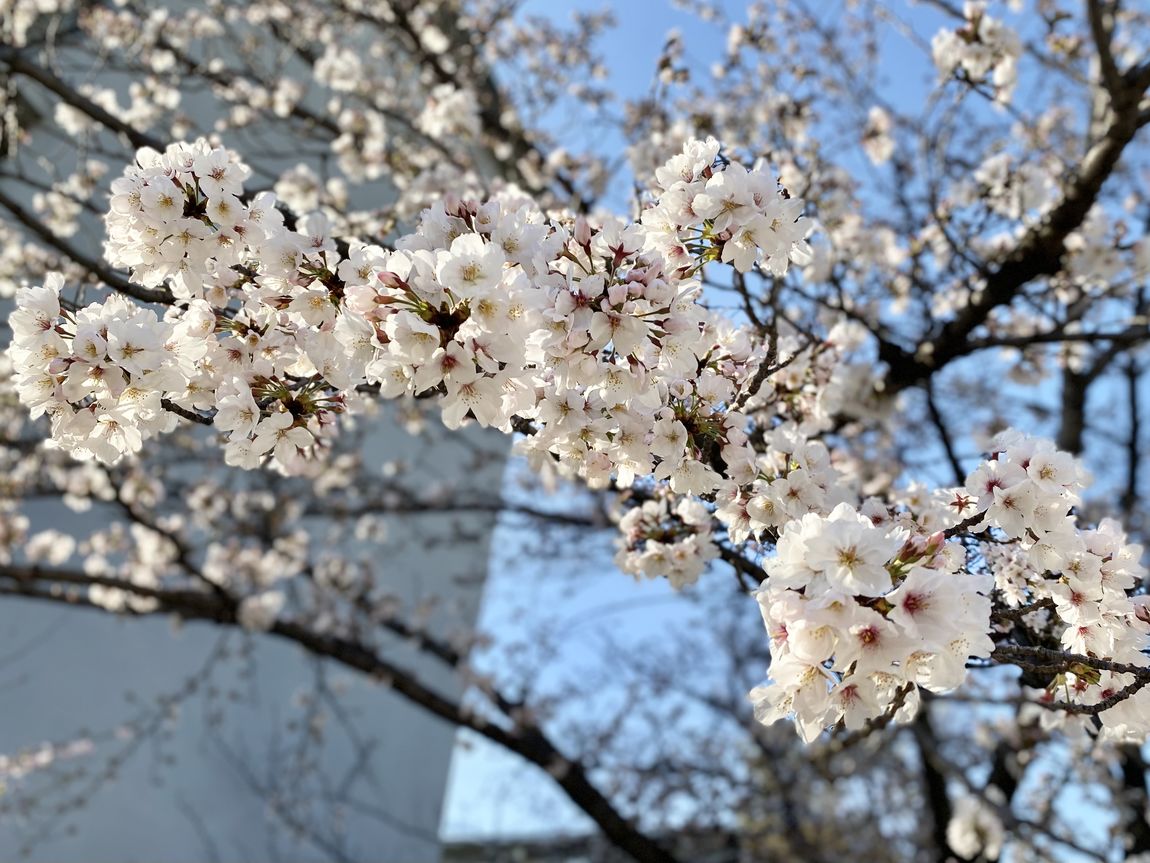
(220, 780)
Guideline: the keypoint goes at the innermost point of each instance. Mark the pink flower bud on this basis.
(1141, 607)
(934, 542)
(391, 280)
(582, 232)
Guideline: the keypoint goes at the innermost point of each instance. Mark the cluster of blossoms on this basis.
(1009, 187)
(983, 47)
(591, 340)
(792, 477)
(860, 615)
(663, 539)
(1083, 577)
(863, 607)
(877, 142)
(788, 475)
(19, 17)
(733, 215)
(61, 205)
(1026, 490)
(1096, 260)
(591, 334)
(99, 372)
(974, 828)
(14, 768)
(177, 217)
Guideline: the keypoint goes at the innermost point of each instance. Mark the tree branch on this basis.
(1101, 33)
(1038, 253)
(97, 268)
(523, 737)
(20, 65)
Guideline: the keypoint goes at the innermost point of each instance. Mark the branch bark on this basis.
(96, 267)
(21, 65)
(520, 736)
(1038, 253)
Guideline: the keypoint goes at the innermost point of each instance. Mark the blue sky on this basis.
(495, 794)
(491, 792)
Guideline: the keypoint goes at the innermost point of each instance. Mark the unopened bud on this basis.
(582, 232)
(391, 280)
(617, 294)
(1141, 607)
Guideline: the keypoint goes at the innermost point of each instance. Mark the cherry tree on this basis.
(868, 367)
